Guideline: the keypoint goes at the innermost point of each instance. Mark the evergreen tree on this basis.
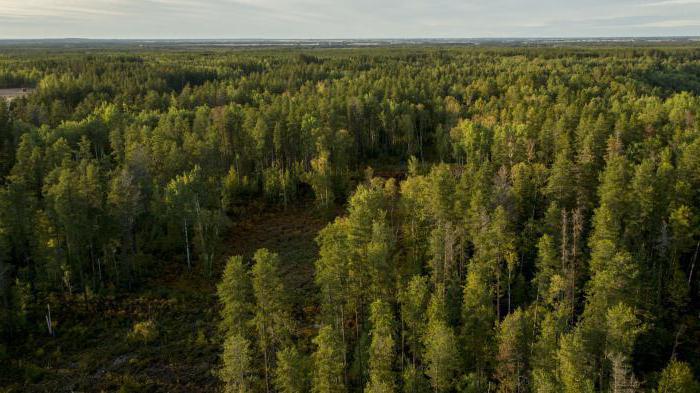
(575, 369)
(235, 295)
(441, 353)
(677, 377)
(291, 374)
(514, 340)
(382, 350)
(478, 317)
(414, 302)
(271, 319)
(328, 363)
(236, 372)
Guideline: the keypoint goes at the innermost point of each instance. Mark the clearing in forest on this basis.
(95, 348)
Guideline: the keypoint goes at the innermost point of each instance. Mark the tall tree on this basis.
(382, 350)
(235, 296)
(441, 352)
(328, 362)
(272, 321)
(414, 303)
(514, 340)
(292, 372)
(237, 365)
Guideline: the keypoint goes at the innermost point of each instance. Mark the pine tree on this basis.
(182, 198)
(125, 201)
(544, 355)
(441, 352)
(677, 377)
(514, 340)
(332, 277)
(321, 180)
(478, 316)
(414, 302)
(379, 260)
(328, 362)
(272, 321)
(623, 328)
(561, 183)
(414, 380)
(382, 349)
(291, 374)
(235, 295)
(575, 370)
(237, 365)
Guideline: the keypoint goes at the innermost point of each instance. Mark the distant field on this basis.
(11, 94)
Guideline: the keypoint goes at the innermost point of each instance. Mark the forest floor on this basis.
(92, 351)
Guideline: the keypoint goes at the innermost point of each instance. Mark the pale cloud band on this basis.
(672, 3)
(346, 18)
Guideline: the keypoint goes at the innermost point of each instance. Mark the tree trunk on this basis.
(187, 246)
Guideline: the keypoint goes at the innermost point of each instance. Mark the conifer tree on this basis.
(414, 302)
(382, 350)
(441, 354)
(291, 374)
(236, 372)
(272, 321)
(235, 295)
(328, 362)
(514, 340)
(478, 316)
(125, 201)
(575, 368)
(560, 185)
(677, 377)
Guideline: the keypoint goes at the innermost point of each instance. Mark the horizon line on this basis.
(350, 38)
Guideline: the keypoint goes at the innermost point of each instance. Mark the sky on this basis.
(299, 19)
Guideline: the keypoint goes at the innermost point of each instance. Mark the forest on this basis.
(394, 219)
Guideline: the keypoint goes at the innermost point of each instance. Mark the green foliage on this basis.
(271, 319)
(623, 329)
(235, 296)
(382, 349)
(677, 377)
(145, 331)
(575, 369)
(471, 141)
(292, 372)
(478, 319)
(513, 352)
(441, 355)
(414, 302)
(321, 180)
(328, 362)
(236, 369)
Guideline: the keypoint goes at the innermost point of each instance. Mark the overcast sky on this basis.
(346, 18)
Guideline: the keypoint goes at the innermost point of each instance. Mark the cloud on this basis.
(673, 23)
(34, 8)
(670, 3)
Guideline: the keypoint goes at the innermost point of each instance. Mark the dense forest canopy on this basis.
(511, 219)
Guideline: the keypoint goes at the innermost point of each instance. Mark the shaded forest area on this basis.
(416, 219)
